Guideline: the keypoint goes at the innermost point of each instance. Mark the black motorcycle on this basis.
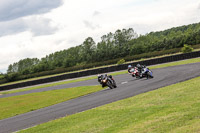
(105, 80)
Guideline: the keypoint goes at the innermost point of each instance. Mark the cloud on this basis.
(36, 25)
(12, 27)
(14, 56)
(40, 26)
(90, 25)
(96, 13)
(4, 65)
(199, 6)
(13, 9)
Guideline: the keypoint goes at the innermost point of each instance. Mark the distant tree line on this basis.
(120, 44)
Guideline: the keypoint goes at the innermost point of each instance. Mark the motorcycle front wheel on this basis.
(109, 85)
(149, 75)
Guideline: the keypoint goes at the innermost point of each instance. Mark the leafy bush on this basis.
(196, 46)
(1, 76)
(2, 81)
(122, 61)
(12, 77)
(152, 54)
(186, 49)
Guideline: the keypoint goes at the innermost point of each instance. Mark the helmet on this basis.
(138, 65)
(129, 66)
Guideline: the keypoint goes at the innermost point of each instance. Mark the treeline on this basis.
(112, 45)
(125, 43)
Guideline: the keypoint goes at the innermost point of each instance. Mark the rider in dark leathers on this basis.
(100, 77)
(140, 68)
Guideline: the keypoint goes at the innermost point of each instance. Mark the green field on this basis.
(15, 105)
(171, 109)
(195, 60)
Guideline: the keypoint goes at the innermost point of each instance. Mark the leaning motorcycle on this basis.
(107, 81)
(146, 72)
(135, 72)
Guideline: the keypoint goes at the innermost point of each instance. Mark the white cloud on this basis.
(96, 13)
(37, 25)
(90, 25)
(12, 9)
(40, 26)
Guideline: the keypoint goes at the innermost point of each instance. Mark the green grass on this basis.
(171, 109)
(195, 60)
(15, 105)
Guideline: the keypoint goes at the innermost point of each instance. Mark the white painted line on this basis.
(124, 82)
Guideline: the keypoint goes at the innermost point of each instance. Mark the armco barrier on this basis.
(102, 70)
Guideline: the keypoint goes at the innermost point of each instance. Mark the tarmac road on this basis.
(69, 85)
(127, 87)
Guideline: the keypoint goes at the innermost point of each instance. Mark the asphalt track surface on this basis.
(69, 85)
(127, 87)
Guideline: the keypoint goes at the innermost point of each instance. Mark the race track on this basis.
(127, 87)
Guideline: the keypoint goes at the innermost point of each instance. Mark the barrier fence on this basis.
(102, 70)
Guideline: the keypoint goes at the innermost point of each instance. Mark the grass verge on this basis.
(175, 108)
(195, 60)
(15, 105)
(189, 61)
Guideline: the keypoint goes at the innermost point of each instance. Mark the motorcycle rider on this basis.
(100, 77)
(129, 68)
(140, 68)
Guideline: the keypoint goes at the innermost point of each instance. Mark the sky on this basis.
(36, 28)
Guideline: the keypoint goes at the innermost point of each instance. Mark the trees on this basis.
(22, 65)
(121, 39)
(88, 48)
(105, 49)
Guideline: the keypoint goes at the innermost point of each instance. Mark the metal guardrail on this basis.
(102, 70)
